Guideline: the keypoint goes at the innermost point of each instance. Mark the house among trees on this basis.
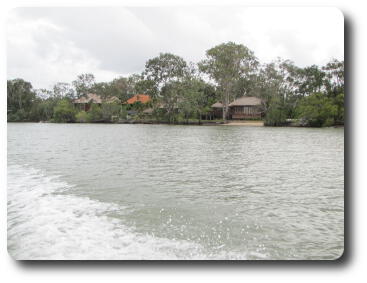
(245, 107)
(85, 102)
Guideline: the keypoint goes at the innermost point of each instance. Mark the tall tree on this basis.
(163, 75)
(147, 87)
(104, 89)
(310, 80)
(20, 96)
(83, 84)
(226, 64)
(61, 89)
(334, 73)
(165, 68)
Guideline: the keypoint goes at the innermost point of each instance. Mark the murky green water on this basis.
(96, 191)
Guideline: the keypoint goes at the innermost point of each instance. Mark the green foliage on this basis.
(334, 73)
(276, 114)
(170, 94)
(110, 111)
(195, 94)
(339, 102)
(20, 98)
(227, 64)
(95, 113)
(64, 112)
(317, 110)
(180, 90)
(165, 68)
(120, 88)
(311, 80)
(19, 116)
(147, 86)
(63, 90)
(83, 84)
(82, 117)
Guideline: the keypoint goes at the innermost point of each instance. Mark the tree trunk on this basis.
(225, 106)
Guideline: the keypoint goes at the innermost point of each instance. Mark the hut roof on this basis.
(143, 98)
(90, 97)
(246, 101)
(112, 99)
(217, 105)
(95, 98)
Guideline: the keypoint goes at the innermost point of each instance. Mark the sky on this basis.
(49, 45)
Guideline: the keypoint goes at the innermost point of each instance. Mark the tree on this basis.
(46, 107)
(162, 75)
(334, 73)
(120, 88)
(226, 64)
(20, 97)
(310, 80)
(317, 110)
(170, 94)
(110, 111)
(196, 96)
(276, 84)
(104, 89)
(95, 113)
(148, 87)
(276, 114)
(64, 111)
(339, 102)
(83, 84)
(164, 69)
(61, 90)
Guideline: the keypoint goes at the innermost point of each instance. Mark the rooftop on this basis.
(246, 101)
(217, 105)
(143, 98)
(95, 98)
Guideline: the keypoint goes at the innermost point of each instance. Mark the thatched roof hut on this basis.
(217, 105)
(89, 98)
(112, 99)
(246, 101)
(84, 102)
(95, 98)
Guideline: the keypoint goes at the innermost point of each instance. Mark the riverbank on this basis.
(245, 123)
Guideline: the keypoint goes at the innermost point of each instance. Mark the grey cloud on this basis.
(120, 40)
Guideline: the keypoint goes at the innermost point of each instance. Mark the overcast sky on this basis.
(49, 45)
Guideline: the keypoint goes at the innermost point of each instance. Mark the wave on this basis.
(46, 221)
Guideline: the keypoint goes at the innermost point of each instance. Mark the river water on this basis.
(107, 191)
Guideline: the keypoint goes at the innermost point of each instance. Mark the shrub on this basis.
(82, 117)
(110, 111)
(317, 110)
(64, 111)
(95, 113)
(20, 115)
(276, 114)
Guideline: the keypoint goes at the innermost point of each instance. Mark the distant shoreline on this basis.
(241, 123)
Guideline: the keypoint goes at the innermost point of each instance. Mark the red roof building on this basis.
(143, 98)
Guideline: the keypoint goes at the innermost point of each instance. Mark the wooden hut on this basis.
(246, 107)
(217, 110)
(85, 102)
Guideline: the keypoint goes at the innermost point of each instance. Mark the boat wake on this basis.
(46, 221)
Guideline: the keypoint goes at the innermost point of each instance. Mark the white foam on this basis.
(46, 221)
